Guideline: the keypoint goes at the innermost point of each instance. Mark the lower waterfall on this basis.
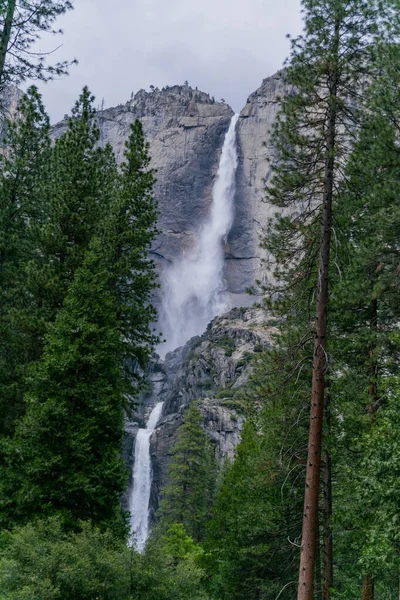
(193, 287)
(142, 476)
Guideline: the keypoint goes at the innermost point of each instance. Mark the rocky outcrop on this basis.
(212, 368)
(10, 96)
(185, 129)
(243, 253)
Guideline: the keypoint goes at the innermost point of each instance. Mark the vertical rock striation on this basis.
(243, 253)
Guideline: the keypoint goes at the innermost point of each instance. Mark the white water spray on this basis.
(194, 290)
(142, 475)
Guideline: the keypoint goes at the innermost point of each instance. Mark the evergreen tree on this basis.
(80, 183)
(22, 23)
(52, 199)
(365, 303)
(41, 562)
(169, 568)
(188, 495)
(251, 550)
(329, 68)
(132, 229)
(66, 457)
(23, 168)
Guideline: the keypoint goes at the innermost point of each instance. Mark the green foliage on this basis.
(21, 207)
(365, 313)
(323, 226)
(41, 562)
(90, 280)
(22, 25)
(227, 343)
(188, 495)
(66, 452)
(169, 568)
(251, 547)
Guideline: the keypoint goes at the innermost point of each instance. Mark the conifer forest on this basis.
(304, 503)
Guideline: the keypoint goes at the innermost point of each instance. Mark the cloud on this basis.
(225, 47)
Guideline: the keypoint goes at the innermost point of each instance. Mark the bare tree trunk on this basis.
(320, 363)
(5, 37)
(311, 496)
(318, 575)
(328, 542)
(368, 587)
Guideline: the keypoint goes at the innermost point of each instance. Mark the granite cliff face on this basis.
(212, 369)
(9, 98)
(186, 130)
(243, 252)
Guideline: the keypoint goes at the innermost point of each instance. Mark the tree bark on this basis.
(311, 496)
(318, 574)
(5, 37)
(320, 363)
(368, 587)
(328, 542)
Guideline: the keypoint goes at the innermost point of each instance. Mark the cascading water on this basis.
(193, 294)
(140, 494)
(193, 288)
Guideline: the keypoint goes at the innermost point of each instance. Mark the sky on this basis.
(224, 47)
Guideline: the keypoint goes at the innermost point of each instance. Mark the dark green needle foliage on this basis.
(188, 495)
(41, 562)
(22, 188)
(65, 456)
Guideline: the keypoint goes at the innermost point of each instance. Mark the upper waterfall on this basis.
(193, 287)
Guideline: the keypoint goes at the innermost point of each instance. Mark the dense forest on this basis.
(310, 507)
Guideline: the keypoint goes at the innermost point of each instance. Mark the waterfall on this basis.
(193, 287)
(140, 494)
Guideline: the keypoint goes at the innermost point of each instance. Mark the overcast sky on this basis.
(225, 47)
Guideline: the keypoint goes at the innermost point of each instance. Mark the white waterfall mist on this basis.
(142, 475)
(193, 287)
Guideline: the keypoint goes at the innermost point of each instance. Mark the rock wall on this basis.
(243, 254)
(186, 129)
(212, 369)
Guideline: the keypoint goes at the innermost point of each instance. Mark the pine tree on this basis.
(80, 181)
(365, 298)
(252, 542)
(65, 456)
(53, 199)
(22, 23)
(329, 68)
(23, 166)
(133, 229)
(188, 495)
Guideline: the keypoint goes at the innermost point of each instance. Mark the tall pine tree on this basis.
(328, 70)
(188, 495)
(65, 457)
(23, 168)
